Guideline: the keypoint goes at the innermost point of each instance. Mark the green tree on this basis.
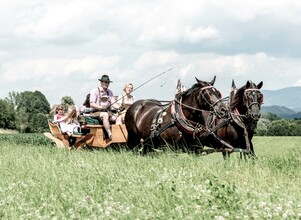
(270, 116)
(66, 101)
(39, 123)
(262, 125)
(29, 105)
(296, 127)
(22, 120)
(7, 115)
(279, 128)
(13, 98)
(34, 102)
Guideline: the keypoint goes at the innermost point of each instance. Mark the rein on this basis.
(182, 122)
(202, 131)
(206, 100)
(199, 130)
(179, 119)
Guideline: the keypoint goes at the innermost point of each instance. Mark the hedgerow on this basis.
(26, 139)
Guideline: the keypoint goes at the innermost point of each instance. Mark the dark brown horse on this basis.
(149, 121)
(238, 128)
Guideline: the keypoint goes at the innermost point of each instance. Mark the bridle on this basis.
(246, 98)
(205, 90)
(187, 125)
(207, 97)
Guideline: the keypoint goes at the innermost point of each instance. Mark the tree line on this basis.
(272, 125)
(27, 112)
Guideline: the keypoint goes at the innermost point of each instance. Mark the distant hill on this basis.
(281, 111)
(285, 102)
(297, 115)
(289, 97)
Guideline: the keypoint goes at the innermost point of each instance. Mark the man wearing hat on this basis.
(101, 99)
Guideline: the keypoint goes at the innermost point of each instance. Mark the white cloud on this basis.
(76, 41)
(49, 70)
(58, 20)
(155, 58)
(195, 35)
(249, 10)
(298, 83)
(184, 72)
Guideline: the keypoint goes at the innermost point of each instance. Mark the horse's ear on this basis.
(233, 84)
(260, 85)
(199, 81)
(213, 81)
(248, 84)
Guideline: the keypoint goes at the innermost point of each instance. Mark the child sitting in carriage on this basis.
(59, 113)
(69, 123)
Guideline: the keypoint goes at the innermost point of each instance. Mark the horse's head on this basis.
(207, 97)
(248, 100)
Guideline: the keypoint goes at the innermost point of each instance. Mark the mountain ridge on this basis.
(289, 97)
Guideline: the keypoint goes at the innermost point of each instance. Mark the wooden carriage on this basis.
(91, 135)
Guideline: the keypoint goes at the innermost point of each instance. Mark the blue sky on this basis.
(62, 47)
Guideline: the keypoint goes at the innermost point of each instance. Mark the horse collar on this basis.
(180, 119)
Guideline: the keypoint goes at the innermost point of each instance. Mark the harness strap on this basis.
(215, 128)
(179, 117)
(154, 124)
(156, 133)
(157, 120)
(179, 120)
(202, 131)
(235, 116)
(238, 120)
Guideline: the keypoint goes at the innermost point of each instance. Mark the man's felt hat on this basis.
(105, 78)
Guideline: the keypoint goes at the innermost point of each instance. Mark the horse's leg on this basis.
(133, 140)
(252, 153)
(252, 149)
(226, 155)
(137, 144)
(143, 147)
(148, 145)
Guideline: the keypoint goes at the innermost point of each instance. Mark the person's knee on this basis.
(105, 116)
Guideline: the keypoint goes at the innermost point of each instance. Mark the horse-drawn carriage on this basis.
(197, 117)
(92, 134)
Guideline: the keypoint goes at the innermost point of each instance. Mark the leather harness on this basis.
(179, 120)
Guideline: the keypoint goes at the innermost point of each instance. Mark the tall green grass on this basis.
(43, 182)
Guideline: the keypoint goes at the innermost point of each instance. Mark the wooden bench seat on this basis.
(62, 139)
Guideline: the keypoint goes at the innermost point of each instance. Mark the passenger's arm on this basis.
(98, 107)
(61, 119)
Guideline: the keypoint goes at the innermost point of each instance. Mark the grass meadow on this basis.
(39, 181)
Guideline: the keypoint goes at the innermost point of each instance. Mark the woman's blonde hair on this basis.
(72, 113)
(126, 85)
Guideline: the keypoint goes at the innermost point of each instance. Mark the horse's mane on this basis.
(238, 97)
(193, 88)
